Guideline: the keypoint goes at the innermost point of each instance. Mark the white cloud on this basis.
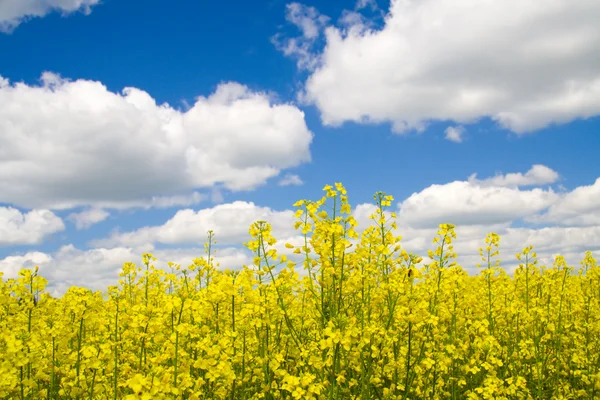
(538, 175)
(290, 179)
(11, 265)
(555, 239)
(95, 269)
(307, 19)
(87, 218)
(520, 64)
(14, 12)
(580, 207)
(465, 203)
(233, 258)
(230, 223)
(74, 143)
(478, 207)
(99, 267)
(571, 242)
(311, 24)
(29, 228)
(475, 208)
(455, 133)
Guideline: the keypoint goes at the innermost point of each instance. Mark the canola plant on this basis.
(357, 318)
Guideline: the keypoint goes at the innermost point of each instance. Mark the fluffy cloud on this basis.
(74, 143)
(230, 223)
(547, 242)
(13, 12)
(466, 203)
(98, 268)
(538, 175)
(11, 265)
(555, 239)
(30, 228)
(476, 207)
(522, 65)
(571, 242)
(580, 207)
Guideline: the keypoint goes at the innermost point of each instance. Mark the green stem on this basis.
(116, 358)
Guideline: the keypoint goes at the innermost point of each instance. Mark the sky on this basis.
(128, 128)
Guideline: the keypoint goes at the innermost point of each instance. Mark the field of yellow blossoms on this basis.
(358, 318)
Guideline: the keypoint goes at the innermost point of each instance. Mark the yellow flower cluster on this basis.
(360, 319)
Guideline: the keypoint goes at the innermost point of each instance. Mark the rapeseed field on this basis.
(357, 317)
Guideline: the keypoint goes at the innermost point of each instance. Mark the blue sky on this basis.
(409, 98)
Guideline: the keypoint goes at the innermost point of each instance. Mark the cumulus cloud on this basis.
(455, 133)
(230, 223)
(87, 218)
(11, 265)
(14, 12)
(555, 239)
(475, 207)
(522, 65)
(95, 269)
(580, 207)
(478, 207)
(17, 228)
(99, 268)
(290, 179)
(465, 203)
(571, 242)
(75, 143)
(538, 175)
